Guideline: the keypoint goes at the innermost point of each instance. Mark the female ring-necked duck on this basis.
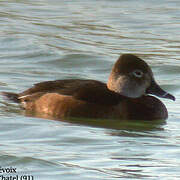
(125, 96)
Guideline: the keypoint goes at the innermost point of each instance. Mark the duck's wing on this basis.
(88, 90)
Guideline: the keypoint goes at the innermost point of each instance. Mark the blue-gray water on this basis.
(55, 39)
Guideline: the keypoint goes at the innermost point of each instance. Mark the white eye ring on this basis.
(137, 73)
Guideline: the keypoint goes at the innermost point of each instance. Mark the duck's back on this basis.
(88, 90)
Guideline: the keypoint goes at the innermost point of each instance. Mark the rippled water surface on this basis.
(55, 39)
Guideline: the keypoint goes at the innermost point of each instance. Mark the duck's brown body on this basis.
(61, 106)
(94, 99)
(87, 98)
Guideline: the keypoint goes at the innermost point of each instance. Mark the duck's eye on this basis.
(137, 73)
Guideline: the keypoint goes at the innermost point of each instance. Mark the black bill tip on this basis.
(169, 96)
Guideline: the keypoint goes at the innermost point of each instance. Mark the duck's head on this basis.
(132, 77)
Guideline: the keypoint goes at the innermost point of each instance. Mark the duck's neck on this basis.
(112, 83)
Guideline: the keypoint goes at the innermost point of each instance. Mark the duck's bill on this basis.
(155, 89)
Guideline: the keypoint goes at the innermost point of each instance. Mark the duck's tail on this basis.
(11, 96)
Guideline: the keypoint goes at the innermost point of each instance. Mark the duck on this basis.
(130, 94)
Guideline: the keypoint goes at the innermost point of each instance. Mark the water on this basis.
(50, 39)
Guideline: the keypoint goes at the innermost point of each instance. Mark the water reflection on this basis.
(134, 125)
